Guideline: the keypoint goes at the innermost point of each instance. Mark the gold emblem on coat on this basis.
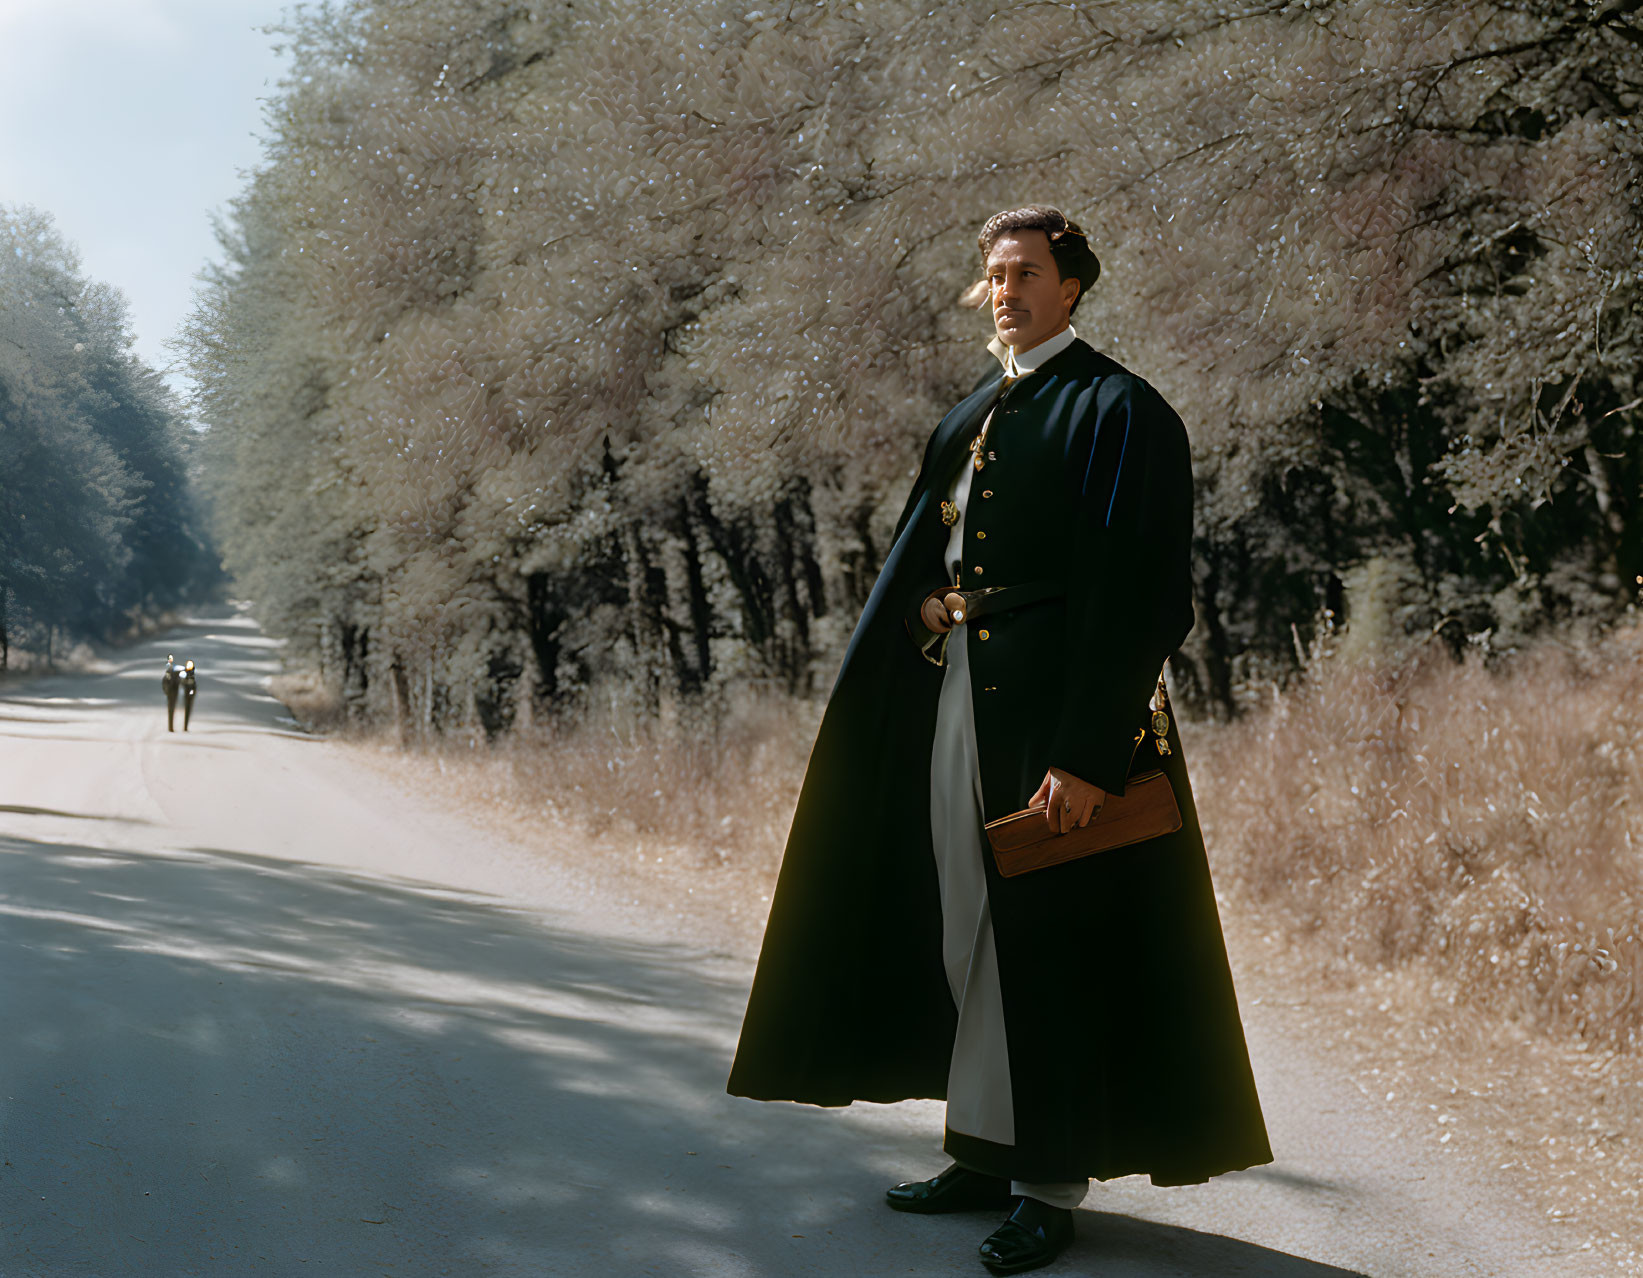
(1160, 716)
(949, 513)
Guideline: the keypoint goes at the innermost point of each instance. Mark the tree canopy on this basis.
(570, 352)
(97, 524)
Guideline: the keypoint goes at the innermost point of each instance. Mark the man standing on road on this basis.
(188, 693)
(169, 683)
(1079, 1020)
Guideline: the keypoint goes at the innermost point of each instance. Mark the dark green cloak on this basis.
(1126, 1050)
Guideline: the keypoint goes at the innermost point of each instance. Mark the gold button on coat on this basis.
(984, 634)
(980, 536)
(980, 571)
(986, 492)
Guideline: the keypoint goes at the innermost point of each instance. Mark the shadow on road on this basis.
(219, 1061)
(23, 809)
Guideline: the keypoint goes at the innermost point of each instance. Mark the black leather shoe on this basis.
(1034, 1235)
(956, 1189)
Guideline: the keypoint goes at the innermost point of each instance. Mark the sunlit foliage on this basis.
(585, 352)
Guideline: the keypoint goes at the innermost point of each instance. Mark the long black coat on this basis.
(1125, 1046)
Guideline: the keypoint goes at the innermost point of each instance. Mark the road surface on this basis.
(267, 1012)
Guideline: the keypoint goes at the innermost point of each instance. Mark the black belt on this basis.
(973, 605)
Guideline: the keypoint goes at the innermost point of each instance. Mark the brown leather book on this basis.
(1024, 841)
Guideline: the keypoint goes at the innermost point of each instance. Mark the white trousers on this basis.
(980, 1101)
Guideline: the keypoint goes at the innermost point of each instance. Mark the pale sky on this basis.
(130, 121)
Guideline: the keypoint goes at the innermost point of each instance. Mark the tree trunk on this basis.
(402, 700)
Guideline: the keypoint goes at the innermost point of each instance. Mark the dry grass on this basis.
(1484, 825)
(719, 794)
(311, 701)
(1441, 868)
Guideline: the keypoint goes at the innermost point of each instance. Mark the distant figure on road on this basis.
(188, 692)
(171, 680)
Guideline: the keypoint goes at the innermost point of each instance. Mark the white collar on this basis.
(1030, 360)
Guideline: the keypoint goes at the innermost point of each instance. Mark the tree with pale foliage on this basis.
(583, 354)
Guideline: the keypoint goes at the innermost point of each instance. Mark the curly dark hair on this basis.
(1074, 259)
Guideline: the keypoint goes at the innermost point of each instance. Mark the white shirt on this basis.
(1028, 361)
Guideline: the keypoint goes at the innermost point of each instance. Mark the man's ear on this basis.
(1070, 288)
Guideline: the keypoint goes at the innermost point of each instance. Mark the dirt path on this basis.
(272, 1011)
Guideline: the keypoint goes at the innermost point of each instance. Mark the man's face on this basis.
(1030, 299)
